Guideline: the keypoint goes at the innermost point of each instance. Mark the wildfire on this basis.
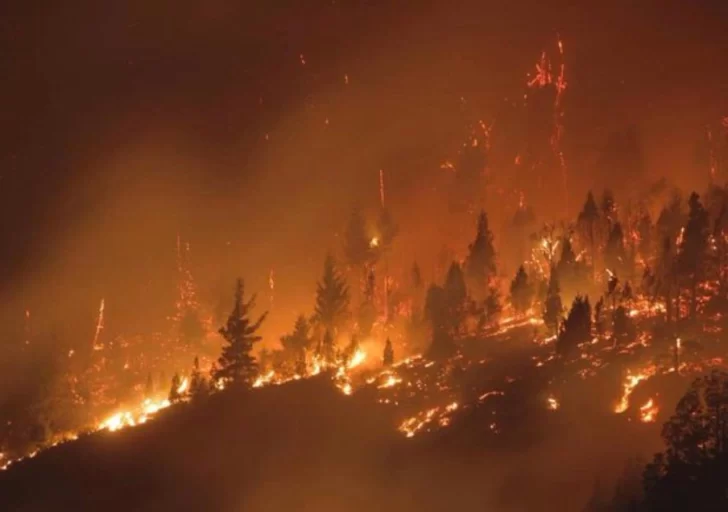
(374, 242)
(553, 403)
(648, 411)
(630, 383)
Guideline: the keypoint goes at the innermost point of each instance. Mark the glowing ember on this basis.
(630, 383)
(648, 411)
(553, 403)
(374, 242)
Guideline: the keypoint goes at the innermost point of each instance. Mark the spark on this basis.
(99, 326)
(553, 403)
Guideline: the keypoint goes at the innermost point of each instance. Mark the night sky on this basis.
(123, 125)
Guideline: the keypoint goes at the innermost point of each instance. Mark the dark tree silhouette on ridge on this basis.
(236, 364)
(332, 298)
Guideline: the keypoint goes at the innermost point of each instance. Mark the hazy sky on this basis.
(252, 129)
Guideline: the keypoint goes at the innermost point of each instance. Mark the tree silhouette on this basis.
(692, 251)
(388, 357)
(367, 314)
(600, 318)
(357, 247)
(174, 394)
(588, 222)
(608, 207)
(576, 328)
(645, 232)
(296, 344)
(327, 349)
(199, 387)
(456, 300)
(436, 313)
(387, 230)
(521, 291)
(552, 305)
(624, 330)
(615, 257)
(332, 298)
(690, 473)
(480, 261)
(671, 219)
(236, 365)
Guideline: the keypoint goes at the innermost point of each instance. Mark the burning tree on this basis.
(588, 222)
(296, 344)
(357, 247)
(553, 306)
(576, 328)
(236, 364)
(521, 291)
(332, 298)
(692, 251)
(480, 262)
(367, 314)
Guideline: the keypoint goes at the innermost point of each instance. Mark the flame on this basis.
(99, 326)
(630, 383)
(648, 411)
(553, 403)
(358, 358)
(374, 242)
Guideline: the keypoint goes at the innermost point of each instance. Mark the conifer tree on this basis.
(357, 248)
(600, 319)
(327, 348)
(388, 357)
(624, 330)
(199, 387)
(576, 328)
(480, 262)
(367, 310)
(644, 229)
(387, 230)
(609, 206)
(552, 306)
(174, 395)
(436, 313)
(588, 222)
(332, 298)
(456, 300)
(693, 249)
(671, 219)
(614, 253)
(296, 344)
(236, 364)
(521, 291)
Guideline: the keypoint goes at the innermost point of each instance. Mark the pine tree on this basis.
(614, 254)
(388, 358)
(456, 300)
(480, 262)
(671, 219)
(174, 395)
(236, 364)
(296, 344)
(332, 298)
(576, 328)
(552, 306)
(199, 387)
(387, 230)
(367, 310)
(327, 349)
(357, 247)
(624, 330)
(609, 207)
(588, 221)
(436, 313)
(693, 250)
(521, 291)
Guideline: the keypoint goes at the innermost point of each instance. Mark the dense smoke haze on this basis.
(238, 137)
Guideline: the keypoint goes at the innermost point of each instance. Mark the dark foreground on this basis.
(305, 446)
